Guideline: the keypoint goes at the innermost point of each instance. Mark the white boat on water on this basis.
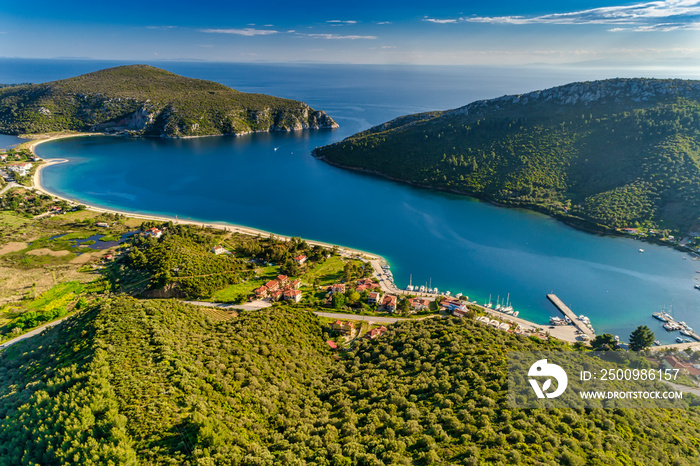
(671, 326)
(679, 340)
(687, 331)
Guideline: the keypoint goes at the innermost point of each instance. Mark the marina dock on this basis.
(564, 309)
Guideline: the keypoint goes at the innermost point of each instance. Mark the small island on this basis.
(140, 100)
(618, 155)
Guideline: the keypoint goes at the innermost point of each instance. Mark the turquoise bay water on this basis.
(270, 181)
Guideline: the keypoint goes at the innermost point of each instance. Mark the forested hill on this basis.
(608, 154)
(144, 100)
(130, 382)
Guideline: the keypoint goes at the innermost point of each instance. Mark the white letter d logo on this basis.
(542, 369)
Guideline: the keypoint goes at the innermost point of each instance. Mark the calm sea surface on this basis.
(270, 181)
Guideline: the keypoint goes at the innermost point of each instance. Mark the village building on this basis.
(344, 328)
(154, 232)
(389, 303)
(374, 297)
(338, 288)
(21, 169)
(672, 362)
(220, 250)
(292, 295)
(276, 295)
(273, 285)
(261, 292)
(375, 332)
(283, 279)
(419, 304)
(102, 224)
(300, 259)
(295, 285)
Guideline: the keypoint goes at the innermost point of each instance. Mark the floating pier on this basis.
(564, 309)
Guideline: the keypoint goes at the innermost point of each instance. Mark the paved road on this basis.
(9, 185)
(34, 332)
(683, 388)
(376, 319)
(679, 346)
(251, 306)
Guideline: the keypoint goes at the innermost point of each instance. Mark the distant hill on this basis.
(605, 154)
(154, 382)
(143, 100)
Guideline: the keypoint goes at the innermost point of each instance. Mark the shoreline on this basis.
(375, 260)
(227, 226)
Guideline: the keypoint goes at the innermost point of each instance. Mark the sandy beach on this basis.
(565, 333)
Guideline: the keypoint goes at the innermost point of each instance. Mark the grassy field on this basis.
(15, 227)
(37, 309)
(327, 273)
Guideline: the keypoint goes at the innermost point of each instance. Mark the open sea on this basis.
(270, 181)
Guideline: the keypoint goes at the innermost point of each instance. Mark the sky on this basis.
(664, 33)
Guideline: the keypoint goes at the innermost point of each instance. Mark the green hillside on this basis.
(130, 382)
(144, 100)
(605, 154)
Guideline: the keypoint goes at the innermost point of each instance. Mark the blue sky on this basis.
(663, 33)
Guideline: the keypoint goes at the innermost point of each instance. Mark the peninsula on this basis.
(618, 154)
(140, 100)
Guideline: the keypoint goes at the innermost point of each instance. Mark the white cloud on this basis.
(384, 22)
(249, 32)
(663, 15)
(440, 21)
(339, 36)
(340, 21)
